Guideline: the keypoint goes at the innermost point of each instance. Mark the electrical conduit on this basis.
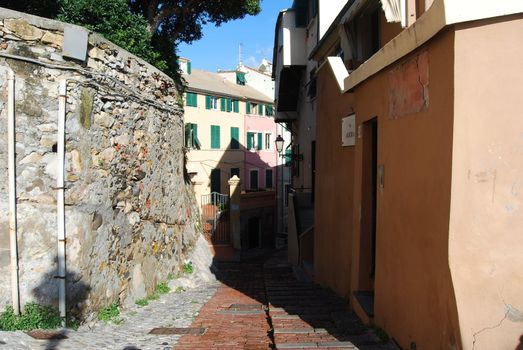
(11, 136)
(60, 209)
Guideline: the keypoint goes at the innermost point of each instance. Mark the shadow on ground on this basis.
(299, 312)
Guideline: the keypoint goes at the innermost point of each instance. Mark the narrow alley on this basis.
(261, 305)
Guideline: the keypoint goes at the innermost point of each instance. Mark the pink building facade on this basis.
(261, 158)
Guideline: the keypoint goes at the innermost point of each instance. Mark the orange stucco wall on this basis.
(414, 297)
(334, 188)
(486, 226)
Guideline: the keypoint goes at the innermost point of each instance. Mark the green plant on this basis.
(142, 302)
(180, 289)
(110, 313)
(162, 288)
(188, 268)
(153, 296)
(34, 316)
(170, 276)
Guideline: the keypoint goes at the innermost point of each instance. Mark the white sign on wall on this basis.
(348, 130)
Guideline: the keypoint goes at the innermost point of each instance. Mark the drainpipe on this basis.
(11, 140)
(60, 209)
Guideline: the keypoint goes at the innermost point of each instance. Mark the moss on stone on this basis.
(86, 108)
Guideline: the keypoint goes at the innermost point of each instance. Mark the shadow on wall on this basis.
(77, 293)
(520, 345)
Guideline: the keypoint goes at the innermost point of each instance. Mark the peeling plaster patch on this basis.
(514, 314)
(409, 87)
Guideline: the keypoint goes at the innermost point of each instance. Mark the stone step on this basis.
(317, 345)
(299, 330)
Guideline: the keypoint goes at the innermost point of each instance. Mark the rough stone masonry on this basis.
(130, 216)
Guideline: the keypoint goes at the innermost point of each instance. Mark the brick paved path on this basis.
(262, 306)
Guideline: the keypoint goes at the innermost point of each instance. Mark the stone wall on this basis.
(131, 217)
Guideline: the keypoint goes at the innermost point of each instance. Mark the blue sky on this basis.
(218, 49)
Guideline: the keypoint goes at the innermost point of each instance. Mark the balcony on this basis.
(290, 60)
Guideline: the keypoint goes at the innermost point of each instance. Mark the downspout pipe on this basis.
(13, 235)
(60, 207)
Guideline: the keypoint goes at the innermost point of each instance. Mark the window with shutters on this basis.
(240, 78)
(191, 99)
(215, 136)
(268, 178)
(252, 108)
(211, 102)
(250, 140)
(269, 111)
(268, 141)
(259, 144)
(235, 138)
(191, 136)
(236, 106)
(260, 109)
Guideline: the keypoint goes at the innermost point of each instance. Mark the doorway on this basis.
(367, 263)
(254, 233)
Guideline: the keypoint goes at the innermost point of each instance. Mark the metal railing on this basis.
(215, 217)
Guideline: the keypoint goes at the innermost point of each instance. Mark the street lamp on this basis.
(279, 144)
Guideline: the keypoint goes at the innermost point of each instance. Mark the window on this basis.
(250, 140)
(235, 138)
(236, 106)
(191, 99)
(269, 111)
(215, 180)
(191, 136)
(260, 109)
(268, 178)
(211, 102)
(253, 180)
(189, 67)
(225, 104)
(249, 107)
(259, 144)
(240, 78)
(235, 171)
(268, 138)
(215, 136)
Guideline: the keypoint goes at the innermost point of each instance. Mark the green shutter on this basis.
(235, 138)
(222, 104)
(208, 102)
(215, 136)
(195, 141)
(247, 107)
(288, 157)
(249, 141)
(268, 110)
(189, 68)
(260, 139)
(240, 78)
(260, 109)
(191, 99)
(228, 106)
(268, 178)
(236, 106)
